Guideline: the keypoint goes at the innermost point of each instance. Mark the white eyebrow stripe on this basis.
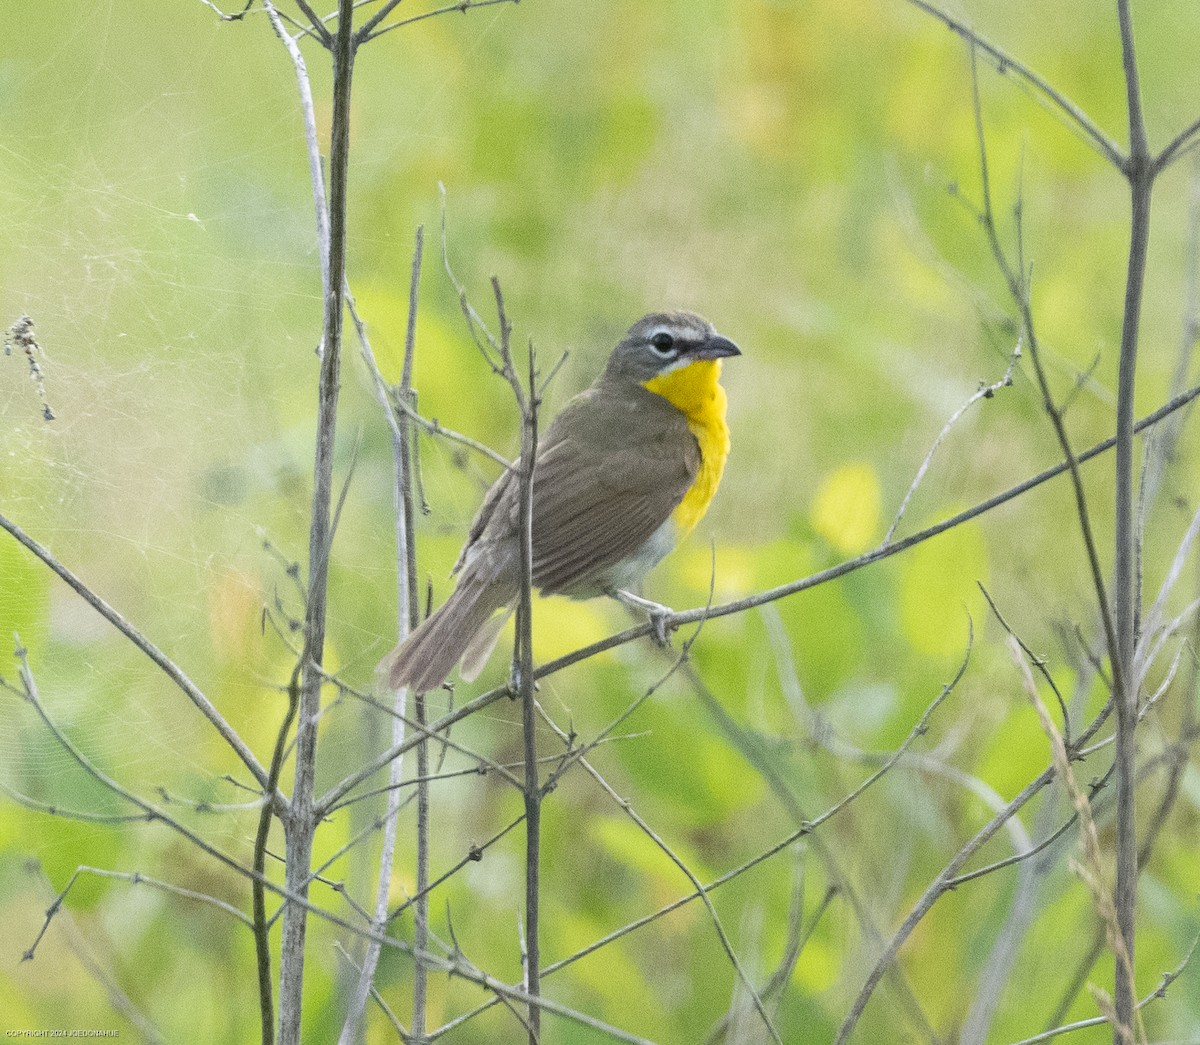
(688, 335)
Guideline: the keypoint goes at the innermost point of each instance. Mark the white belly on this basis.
(628, 573)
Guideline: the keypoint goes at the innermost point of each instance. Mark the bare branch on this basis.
(1184, 142)
(726, 944)
(1018, 287)
(798, 936)
(1092, 870)
(434, 427)
(235, 16)
(806, 828)
(868, 558)
(1035, 660)
(156, 656)
(386, 1009)
(1140, 172)
(459, 5)
(484, 340)
(945, 881)
(262, 928)
(406, 621)
(318, 26)
(316, 173)
(985, 391)
(302, 820)
(1005, 63)
(340, 790)
(117, 998)
(522, 664)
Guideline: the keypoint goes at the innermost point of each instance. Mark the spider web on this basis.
(156, 225)
(172, 290)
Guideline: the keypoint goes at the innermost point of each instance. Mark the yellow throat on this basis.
(695, 390)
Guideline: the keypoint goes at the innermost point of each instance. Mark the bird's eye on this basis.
(662, 343)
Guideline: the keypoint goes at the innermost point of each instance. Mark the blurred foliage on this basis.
(785, 168)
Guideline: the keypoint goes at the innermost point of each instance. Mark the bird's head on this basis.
(662, 342)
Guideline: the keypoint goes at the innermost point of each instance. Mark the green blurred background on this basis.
(783, 168)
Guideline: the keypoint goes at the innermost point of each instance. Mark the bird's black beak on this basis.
(716, 347)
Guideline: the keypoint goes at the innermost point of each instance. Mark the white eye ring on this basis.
(663, 344)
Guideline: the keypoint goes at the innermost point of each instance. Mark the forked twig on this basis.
(985, 391)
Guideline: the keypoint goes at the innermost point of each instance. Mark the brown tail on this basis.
(423, 660)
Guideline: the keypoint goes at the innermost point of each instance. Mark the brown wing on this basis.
(617, 464)
(611, 469)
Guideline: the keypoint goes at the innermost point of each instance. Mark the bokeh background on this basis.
(795, 171)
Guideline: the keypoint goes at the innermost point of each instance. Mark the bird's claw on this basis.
(659, 619)
(660, 615)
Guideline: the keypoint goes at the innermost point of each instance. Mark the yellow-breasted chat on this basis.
(624, 471)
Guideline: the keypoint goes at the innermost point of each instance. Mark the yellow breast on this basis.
(696, 391)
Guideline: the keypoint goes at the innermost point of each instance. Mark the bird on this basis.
(623, 473)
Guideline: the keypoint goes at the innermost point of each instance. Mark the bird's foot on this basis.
(660, 615)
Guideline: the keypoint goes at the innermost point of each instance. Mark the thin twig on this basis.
(805, 829)
(1038, 662)
(378, 998)
(798, 935)
(483, 763)
(316, 173)
(943, 883)
(117, 998)
(1018, 288)
(727, 945)
(1182, 143)
(1177, 759)
(318, 26)
(1005, 63)
(473, 856)
(1091, 871)
(137, 878)
(574, 753)
(82, 815)
(459, 5)
(577, 755)
(236, 16)
(364, 32)
(1160, 991)
(484, 340)
(291, 900)
(435, 427)
(985, 391)
(155, 814)
(1161, 444)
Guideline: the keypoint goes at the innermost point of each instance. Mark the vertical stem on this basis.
(524, 666)
(410, 604)
(406, 586)
(409, 600)
(1139, 171)
(301, 822)
(1126, 591)
(262, 931)
(421, 907)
